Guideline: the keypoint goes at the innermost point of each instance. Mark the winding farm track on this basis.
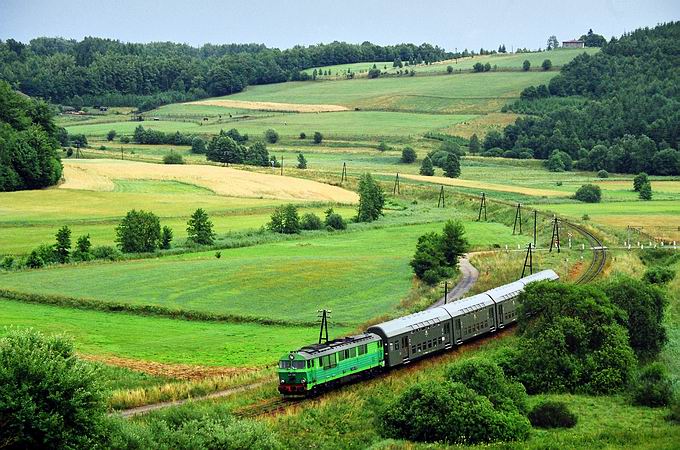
(470, 275)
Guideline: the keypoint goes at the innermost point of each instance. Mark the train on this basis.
(388, 345)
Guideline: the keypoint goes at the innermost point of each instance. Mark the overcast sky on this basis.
(282, 23)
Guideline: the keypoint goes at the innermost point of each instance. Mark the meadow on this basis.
(359, 275)
(558, 57)
(161, 340)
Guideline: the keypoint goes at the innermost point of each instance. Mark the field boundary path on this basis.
(162, 405)
(470, 275)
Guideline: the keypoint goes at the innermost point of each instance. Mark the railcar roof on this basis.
(412, 322)
(506, 291)
(317, 350)
(540, 276)
(469, 304)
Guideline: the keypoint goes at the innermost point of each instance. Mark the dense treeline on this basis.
(110, 72)
(626, 112)
(29, 140)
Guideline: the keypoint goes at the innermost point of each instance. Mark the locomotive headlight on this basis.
(283, 381)
(304, 381)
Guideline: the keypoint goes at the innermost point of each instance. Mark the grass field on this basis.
(161, 340)
(558, 57)
(360, 275)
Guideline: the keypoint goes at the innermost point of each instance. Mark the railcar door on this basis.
(501, 323)
(405, 346)
(458, 331)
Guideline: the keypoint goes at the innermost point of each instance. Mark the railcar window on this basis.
(284, 364)
(352, 352)
(413, 349)
(396, 345)
(362, 349)
(298, 364)
(341, 355)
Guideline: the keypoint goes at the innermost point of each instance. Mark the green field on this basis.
(161, 340)
(374, 124)
(558, 57)
(360, 275)
(24, 223)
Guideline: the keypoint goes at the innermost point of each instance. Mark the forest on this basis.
(97, 71)
(618, 110)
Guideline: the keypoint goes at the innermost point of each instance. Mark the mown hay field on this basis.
(360, 275)
(99, 175)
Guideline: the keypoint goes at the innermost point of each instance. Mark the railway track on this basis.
(267, 407)
(599, 254)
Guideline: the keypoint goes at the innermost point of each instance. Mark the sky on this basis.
(453, 24)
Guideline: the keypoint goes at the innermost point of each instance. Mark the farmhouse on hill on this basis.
(574, 43)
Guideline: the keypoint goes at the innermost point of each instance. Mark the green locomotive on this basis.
(402, 340)
(321, 366)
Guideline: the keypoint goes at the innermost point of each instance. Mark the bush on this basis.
(311, 221)
(408, 155)
(674, 415)
(589, 193)
(125, 139)
(659, 275)
(550, 414)
(603, 174)
(382, 146)
(449, 412)
(285, 220)
(318, 137)
(173, 158)
(546, 65)
(652, 387)
(303, 135)
(334, 221)
(639, 180)
(34, 261)
(111, 135)
(487, 378)
(271, 136)
(106, 252)
(48, 397)
(7, 263)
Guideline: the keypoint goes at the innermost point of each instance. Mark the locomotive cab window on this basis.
(298, 364)
(284, 364)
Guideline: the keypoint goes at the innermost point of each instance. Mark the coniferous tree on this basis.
(302, 161)
(452, 167)
(646, 191)
(474, 145)
(166, 237)
(63, 246)
(371, 199)
(426, 168)
(200, 228)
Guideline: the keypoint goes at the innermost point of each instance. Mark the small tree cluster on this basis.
(173, 158)
(285, 220)
(436, 255)
(310, 221)
(652, 386)
(426, 168)
(139, 231)
(229, 148)
(452, 412)
(334, 221)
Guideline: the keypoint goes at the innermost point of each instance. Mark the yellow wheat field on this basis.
(100, 174)
(270, 106)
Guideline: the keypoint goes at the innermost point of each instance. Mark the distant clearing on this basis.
(99, 175)
(270, 106)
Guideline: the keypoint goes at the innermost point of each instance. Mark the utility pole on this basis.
(518, 217)
(324, 315)
(440, 200)
(555, 239)
(343, 177)
(528, 262)
(482, 206)
(281, 164)
(446, 292)
(395, 189)
(535, 220)
(121, 153)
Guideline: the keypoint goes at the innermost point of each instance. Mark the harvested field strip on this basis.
(270, 106)
(485, 186)
(98, 175)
